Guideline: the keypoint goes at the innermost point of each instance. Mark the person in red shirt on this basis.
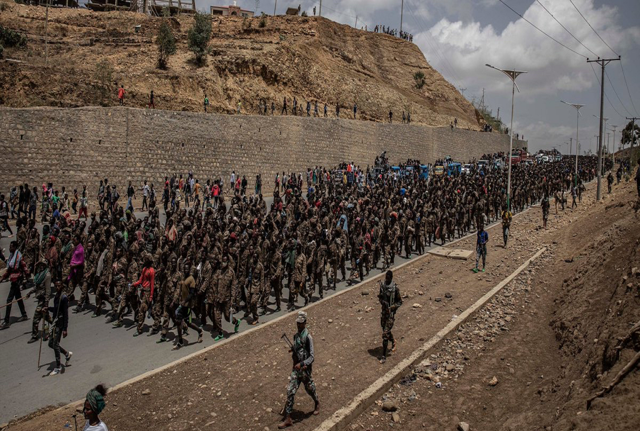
(121, 95)
(146, 283)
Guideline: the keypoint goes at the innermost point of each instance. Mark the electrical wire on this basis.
(628, 92)
(605, 93)
(565, 28)
(594, 30)
(616, 93)
(541, 31)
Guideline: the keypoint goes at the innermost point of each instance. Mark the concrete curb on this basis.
(340, 419)
(75, 404)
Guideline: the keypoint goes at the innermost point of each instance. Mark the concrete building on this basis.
(231, 10)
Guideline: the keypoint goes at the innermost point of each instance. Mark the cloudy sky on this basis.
(458, 37)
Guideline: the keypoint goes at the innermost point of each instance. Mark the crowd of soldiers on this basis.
(235, 255)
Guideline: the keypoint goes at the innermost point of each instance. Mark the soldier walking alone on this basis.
(390, 300)
(303, 355)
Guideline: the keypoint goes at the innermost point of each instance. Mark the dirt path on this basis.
(532, 356)
(241, 384)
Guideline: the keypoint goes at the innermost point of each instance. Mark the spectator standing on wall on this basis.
(152, 104)
(284, 107)
(355, 110)
(325, 110)
(121, 95)
(239, 106)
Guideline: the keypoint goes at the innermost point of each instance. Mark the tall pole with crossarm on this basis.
(577, 106)
(512, 74)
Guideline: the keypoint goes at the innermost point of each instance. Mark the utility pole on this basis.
(320, 14)
(274, 8)
(633, 129)
(602, 62)
(356, 26)
(570, 147)
(613, 152)
(401, 14)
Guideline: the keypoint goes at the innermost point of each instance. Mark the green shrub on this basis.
(199, 37)
(166, 42)
(419, 78)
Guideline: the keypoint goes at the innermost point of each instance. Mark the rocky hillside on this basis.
(91, 54)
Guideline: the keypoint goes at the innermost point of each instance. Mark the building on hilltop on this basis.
(231, 10)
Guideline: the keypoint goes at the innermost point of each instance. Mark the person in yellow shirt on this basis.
(506, 224)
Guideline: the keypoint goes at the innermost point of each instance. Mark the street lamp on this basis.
(512, 74)
(577, 106)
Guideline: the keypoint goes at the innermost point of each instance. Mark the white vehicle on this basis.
(466, 169)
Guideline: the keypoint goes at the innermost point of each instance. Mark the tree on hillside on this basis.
(629, 137)
(103, 74)
(199, 37)
(419, 78)
(166, 42)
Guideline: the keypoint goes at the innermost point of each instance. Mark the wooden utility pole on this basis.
(356, 26)
(320, 14)
(274, 8)
(602, 62)
(401, 14)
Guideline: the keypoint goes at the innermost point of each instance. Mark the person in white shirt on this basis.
(93, 405)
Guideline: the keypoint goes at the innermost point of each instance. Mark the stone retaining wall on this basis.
(80, 146)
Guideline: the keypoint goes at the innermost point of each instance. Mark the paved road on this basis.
(101, 354)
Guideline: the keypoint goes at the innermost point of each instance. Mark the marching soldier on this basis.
(390, 300)
(303, 355)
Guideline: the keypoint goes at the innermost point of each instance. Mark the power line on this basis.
(605, 94)
(594, 30)
(567, 30)
(541, 31)
(628, 92)
(616, 93)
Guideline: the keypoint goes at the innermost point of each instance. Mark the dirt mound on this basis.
(252, 60)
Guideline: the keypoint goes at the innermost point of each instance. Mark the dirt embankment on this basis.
(551, 340)
(251, 60)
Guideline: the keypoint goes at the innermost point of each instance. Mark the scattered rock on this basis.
(146, 392)
(364, 293)
(463, 426)
(493, 381)
(448, 295)
(449, 367)
(416, 305)
(330, 320)
(396, 417)
(389, 406)
(438, 299)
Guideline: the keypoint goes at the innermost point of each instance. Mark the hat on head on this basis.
(302, 317)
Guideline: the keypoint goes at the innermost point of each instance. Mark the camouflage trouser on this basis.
(387, 319)
(222, 308)
(167, 314)
(38, 315)
(87, 283)
(120, 289)
(124, 295)
(156, 312)
(145, 303)
(296, 378)
(253, 297)
(101, 295)
(265, 294)
(276, 284)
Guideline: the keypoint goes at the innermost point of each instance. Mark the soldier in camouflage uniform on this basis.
(42, 293)
(105, 277)
(225, 297)
(255, 287)
(390, 299)
(303, 355)
(91, 262)
(167, 293)
(276, 273)
(299, 279)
